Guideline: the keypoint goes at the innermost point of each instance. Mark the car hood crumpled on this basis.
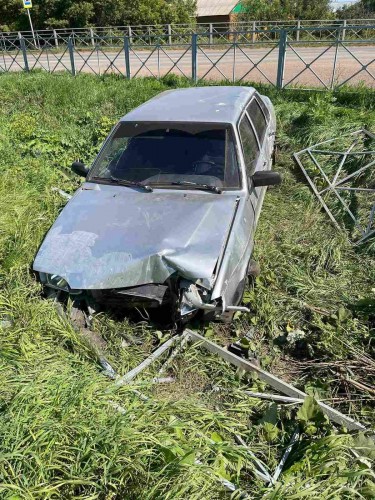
(116, 237)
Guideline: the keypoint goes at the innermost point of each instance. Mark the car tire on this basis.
(227, 317)
(253, 269)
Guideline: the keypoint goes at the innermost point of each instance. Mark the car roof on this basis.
(211, 104)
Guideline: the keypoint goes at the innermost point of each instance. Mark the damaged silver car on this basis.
(167, 213)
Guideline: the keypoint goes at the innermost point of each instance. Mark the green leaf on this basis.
(245, 343)
(310, 411)
(168, 454)
(220, 468)
(209, 332)
(365, 446)
(342, 314)
(311, 429)
(271, 415)
(189, 458)
(271, 432)
(216, 437)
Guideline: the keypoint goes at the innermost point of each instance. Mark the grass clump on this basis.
(312, 322)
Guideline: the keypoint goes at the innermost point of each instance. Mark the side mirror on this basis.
(80, 168)
(266, 178)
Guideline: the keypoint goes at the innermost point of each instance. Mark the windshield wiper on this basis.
(206, 187)
(123, 182)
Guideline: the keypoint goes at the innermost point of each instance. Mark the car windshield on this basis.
(156, 154)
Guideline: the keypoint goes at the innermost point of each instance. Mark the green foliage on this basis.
(81, 13)
(311, 416)
(267, 10)
(359, 10)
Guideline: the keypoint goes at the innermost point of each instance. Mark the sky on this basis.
(337, 4)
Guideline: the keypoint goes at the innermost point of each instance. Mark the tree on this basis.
(359, 10)
(272, 10)
(81, 13)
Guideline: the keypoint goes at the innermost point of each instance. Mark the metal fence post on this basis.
(343, 33)
(281, 62)
(335, 58)
(211, 28)
(24, 53)
(298, 30)
(55, 37)
(71, 54)
(127, 56)
(92, 37)
(194, 62)
(169, 28)
(253, 28)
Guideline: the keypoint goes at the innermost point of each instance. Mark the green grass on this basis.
(60, 434)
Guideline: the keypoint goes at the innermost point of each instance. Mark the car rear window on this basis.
(160, 154)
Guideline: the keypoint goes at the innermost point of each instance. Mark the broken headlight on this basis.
(54, 281)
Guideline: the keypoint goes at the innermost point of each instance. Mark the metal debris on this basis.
(273, 397)
(138, 369)
(261, 470)
(62, 193)
(280, 467)
(340, 186)
(107, 368)
(294, 396)
(274, 381)
(183, 340)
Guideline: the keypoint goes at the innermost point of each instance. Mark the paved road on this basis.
(232, 65)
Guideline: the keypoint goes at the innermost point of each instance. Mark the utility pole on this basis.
(27, 5)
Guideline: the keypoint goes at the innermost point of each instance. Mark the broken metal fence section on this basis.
(327, 57)
(178, 343)
(341, 173)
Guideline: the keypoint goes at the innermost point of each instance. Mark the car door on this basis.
(269, 139)
(260, 125)
(252, 159)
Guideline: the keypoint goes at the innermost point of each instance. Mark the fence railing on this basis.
(140, 33)
(327, 57)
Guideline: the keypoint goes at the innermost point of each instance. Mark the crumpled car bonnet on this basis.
(116, 237)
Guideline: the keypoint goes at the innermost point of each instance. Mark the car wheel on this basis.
(227, 317)
(253, 270)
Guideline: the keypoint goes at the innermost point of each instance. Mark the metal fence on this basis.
(144, 33)
(327, 57)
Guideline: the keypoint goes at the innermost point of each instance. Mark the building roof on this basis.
(206, 8)
(195, 104)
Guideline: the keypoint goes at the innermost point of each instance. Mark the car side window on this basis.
(257, 117)
(263, 107)
(250, 146)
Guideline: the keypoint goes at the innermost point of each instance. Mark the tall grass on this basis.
(60, 433)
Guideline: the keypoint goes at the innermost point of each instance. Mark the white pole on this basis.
(31, 26)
